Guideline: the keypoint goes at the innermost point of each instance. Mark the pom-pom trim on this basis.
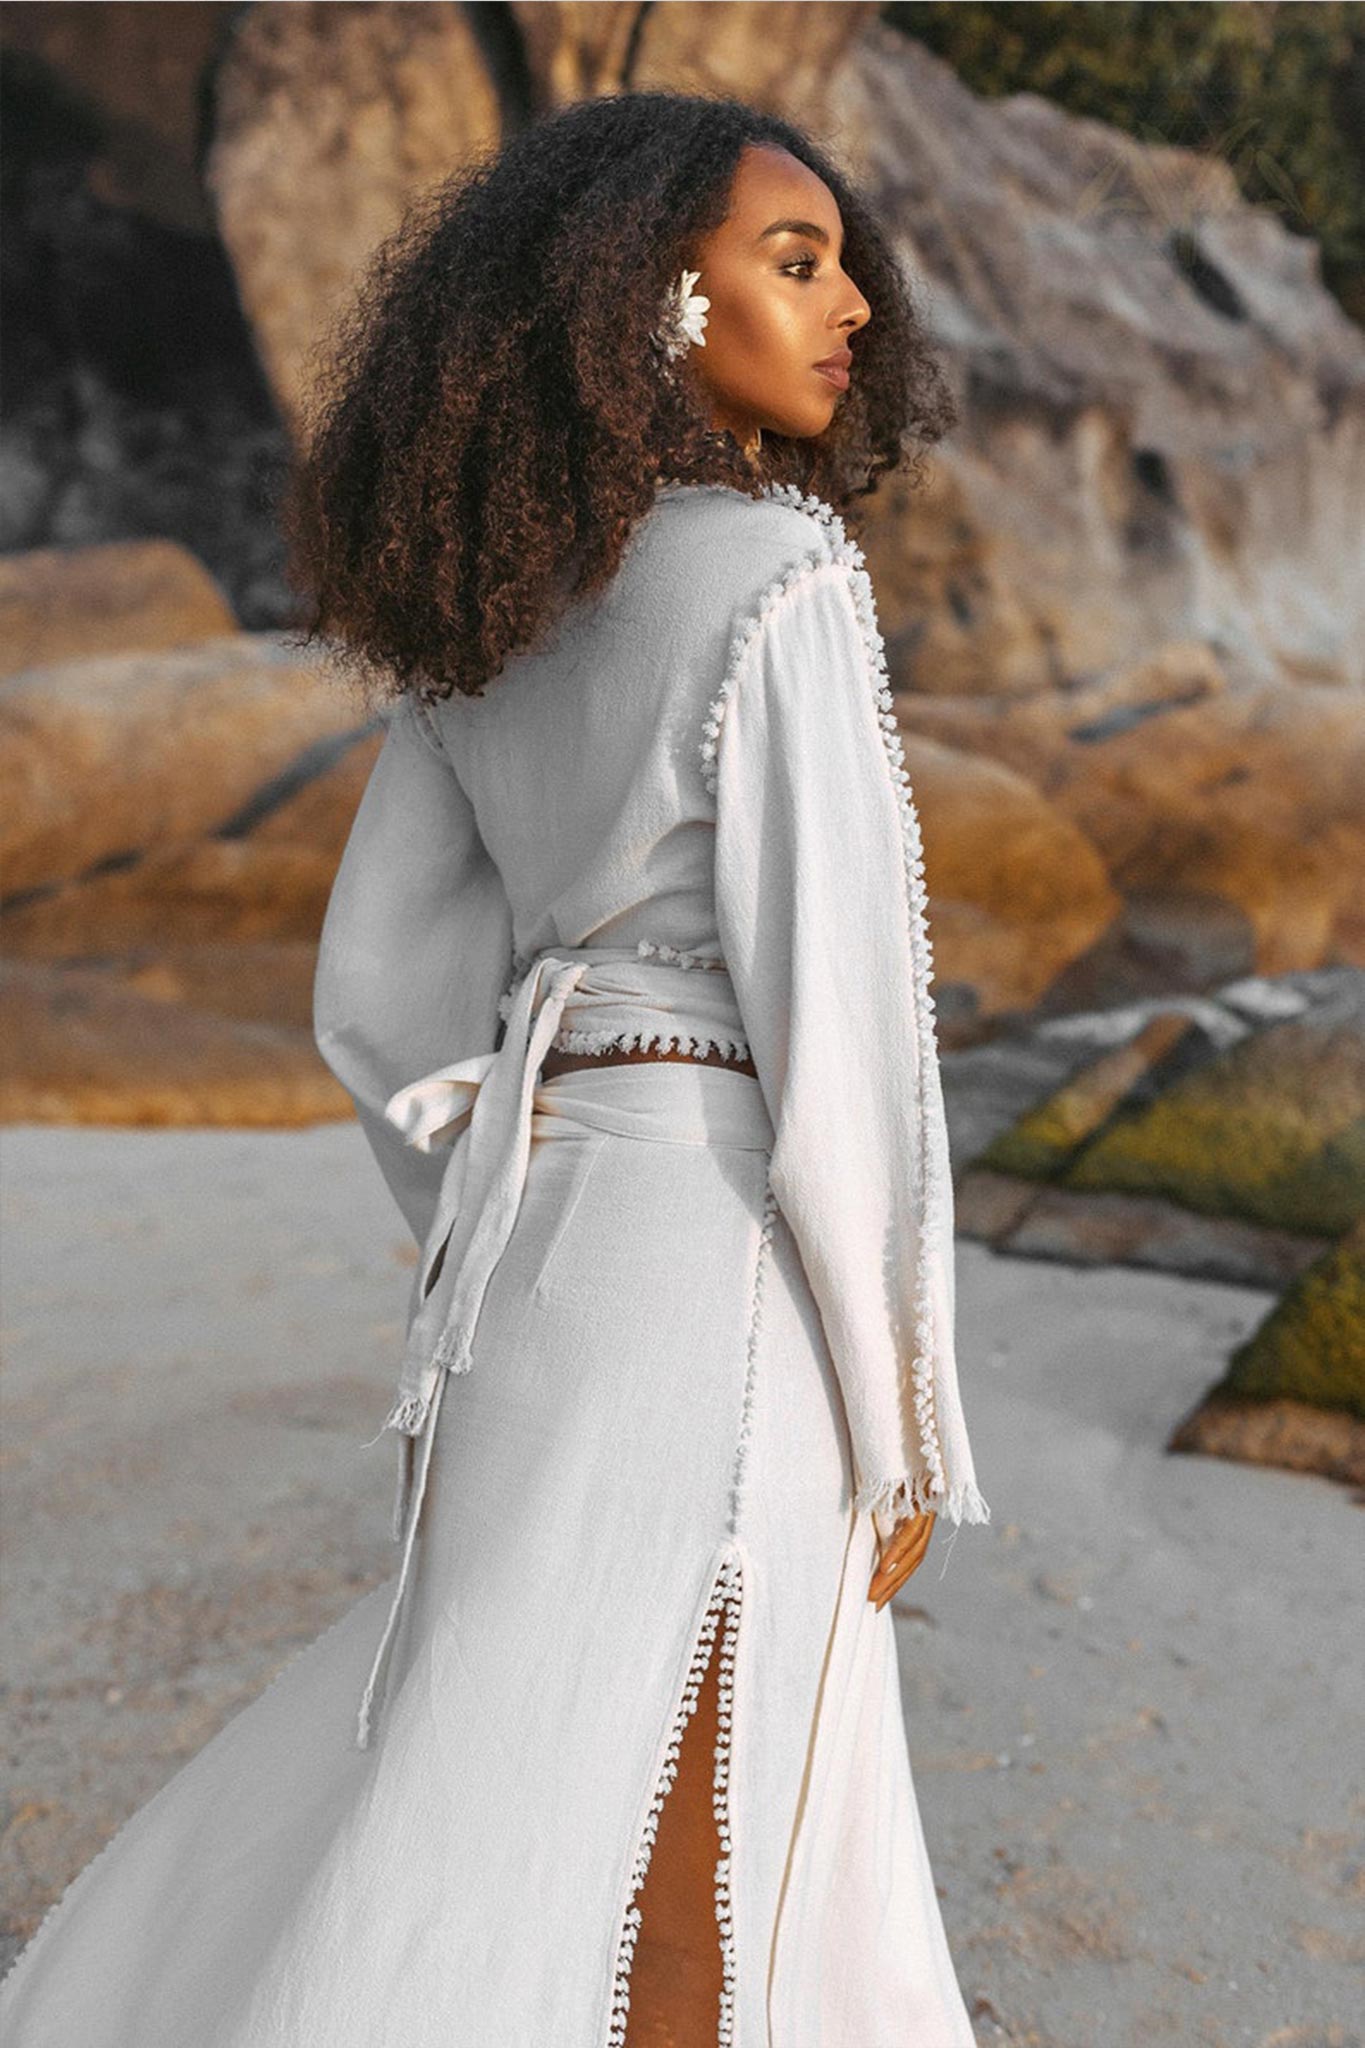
(765, 1238)
(910, 1492)
(723, 1607)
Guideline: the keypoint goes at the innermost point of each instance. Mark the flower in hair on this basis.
(684, 318)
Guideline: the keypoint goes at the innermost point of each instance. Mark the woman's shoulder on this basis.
(782, 521)
(718, 542)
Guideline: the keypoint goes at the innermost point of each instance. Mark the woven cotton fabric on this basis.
(679, 1340)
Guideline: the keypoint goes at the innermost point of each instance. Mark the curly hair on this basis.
(489, 423)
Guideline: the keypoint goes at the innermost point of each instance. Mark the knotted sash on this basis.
(602, 994)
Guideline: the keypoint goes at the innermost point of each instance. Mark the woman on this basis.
(626, 970)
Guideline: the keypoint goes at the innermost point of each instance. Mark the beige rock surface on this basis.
(768, 52)
(78, 1048)
(209, 891)
(576, 48)
(1234, 804)
(257, 982)
(330, 121)
(1033, 733)
(63, 604)
(1163, 410)
(318, 813)
(777, 53)
(1251, 799)
(116, 754)
(1290, 1434)
(1017, 892)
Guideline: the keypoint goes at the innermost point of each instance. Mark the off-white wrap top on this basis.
(685, 820)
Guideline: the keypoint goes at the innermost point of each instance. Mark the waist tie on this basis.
(487, 1102)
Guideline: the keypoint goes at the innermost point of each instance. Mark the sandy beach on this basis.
(1136, 1722)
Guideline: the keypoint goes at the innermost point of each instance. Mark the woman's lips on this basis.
(836, 373)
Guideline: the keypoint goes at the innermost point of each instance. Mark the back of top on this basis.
(701, 769)
(582, 761)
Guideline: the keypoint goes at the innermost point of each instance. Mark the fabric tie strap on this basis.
(490, 1097)
(489, 1102)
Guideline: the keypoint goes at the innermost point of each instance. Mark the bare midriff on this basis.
(557, 1062)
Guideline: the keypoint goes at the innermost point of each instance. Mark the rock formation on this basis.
(60, 604)
(1123, 616)
(329, 122)
(156, 749)
(1163, 409)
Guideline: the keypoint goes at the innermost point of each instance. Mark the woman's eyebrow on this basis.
(796, 227)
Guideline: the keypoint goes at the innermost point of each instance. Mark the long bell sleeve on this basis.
(820, 906)
(416, 948)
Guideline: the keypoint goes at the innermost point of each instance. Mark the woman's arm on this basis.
(820, 905)
(416, 948)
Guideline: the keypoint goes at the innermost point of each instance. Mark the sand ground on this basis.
(1134, 1700)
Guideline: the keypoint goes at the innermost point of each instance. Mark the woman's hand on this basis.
(901, 1554)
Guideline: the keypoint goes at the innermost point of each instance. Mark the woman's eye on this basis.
(803, 266)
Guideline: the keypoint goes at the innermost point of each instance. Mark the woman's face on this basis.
(780, 302)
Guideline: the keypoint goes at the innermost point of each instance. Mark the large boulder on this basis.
(1163, 409)
(61, 604)
(1249, 801)
(1272, 1129)
(162, 957)
(79, 1048)
(107, 759)
(772, 53)
(1229, 820)
(215, 891)
(330, 121)
(1018, 892)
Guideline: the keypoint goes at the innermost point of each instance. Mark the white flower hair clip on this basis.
(684, 317)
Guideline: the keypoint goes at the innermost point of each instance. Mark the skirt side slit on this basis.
(716, 1634)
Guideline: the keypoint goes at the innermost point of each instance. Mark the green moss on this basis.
(1043, 1141)
(1271, 1131)
(1037, 1147)
(1311, 1347)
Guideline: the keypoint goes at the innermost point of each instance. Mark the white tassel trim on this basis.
(406, 1416)
(781, 587)
(910, 1495)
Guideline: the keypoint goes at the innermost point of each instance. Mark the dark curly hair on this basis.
(491, 423)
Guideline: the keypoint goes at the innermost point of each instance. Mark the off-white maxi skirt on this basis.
(647, 1464)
